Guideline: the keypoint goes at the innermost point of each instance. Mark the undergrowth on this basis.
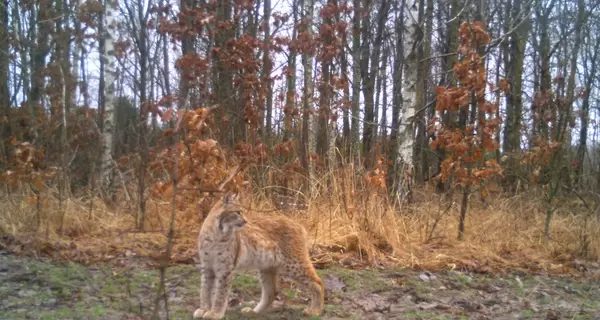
(351, 229)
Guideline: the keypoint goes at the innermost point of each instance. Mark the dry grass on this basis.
(503, 234)
(507, 234)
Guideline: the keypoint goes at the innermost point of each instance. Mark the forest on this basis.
(432, 136)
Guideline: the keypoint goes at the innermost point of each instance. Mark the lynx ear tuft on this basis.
(231, 197)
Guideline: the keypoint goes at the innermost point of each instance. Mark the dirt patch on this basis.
(44, 289)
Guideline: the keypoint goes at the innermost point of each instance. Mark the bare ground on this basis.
(125, 289)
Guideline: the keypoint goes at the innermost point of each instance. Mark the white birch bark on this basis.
(409, 84)
(309, 120)
(110, 72)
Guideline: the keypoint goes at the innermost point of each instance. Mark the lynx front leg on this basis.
(220, 295)
(206, 289)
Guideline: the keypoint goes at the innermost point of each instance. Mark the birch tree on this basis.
(4, 91)
(308, 146)
(392, 178)
(291, 78)
(409, 97)
(110, 75)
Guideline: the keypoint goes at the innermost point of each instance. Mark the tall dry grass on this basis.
(502, 233)
(506, 233)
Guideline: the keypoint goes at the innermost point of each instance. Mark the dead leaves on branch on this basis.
(27, 168)
(375, 179)
(201, 162)
(467, 163)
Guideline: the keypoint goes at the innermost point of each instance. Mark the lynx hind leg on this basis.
(199, 313)
(269, 282)
(303, 272)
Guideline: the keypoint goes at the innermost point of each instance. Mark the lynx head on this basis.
(230, 217)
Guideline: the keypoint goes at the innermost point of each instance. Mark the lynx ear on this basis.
(231, 197)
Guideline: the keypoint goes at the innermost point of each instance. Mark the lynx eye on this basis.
(233, 214)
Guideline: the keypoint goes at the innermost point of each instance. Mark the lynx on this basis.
(275, 246)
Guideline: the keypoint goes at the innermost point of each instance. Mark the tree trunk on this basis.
(369, 75)
(384, 105)
(4, 78)
(514, 99)
(475, 121)
(290, 97)
(422, 140)
(346, 95)
(187, 46)
(356, 78)
(101, 82)
(64, 54)
(110, 75)
(267, 67)
(393, 174)
(409, 84)
(60, 80)
(449, 79)
(41, 25)
(325, 90)
(308, 137)
(76, 57)
(142, 127)
(579, 23)
(367, 81)
(19, 33)
(497, 101)
(585, 113)
(166, 65)
(543, 52)
(223, 78)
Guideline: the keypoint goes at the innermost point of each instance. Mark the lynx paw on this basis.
(312, 312)
(199, 313)
(213, 315)
(247, 310)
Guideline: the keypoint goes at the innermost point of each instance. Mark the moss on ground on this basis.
(42, 289)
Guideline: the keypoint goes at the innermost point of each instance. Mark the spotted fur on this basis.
(275, 246)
